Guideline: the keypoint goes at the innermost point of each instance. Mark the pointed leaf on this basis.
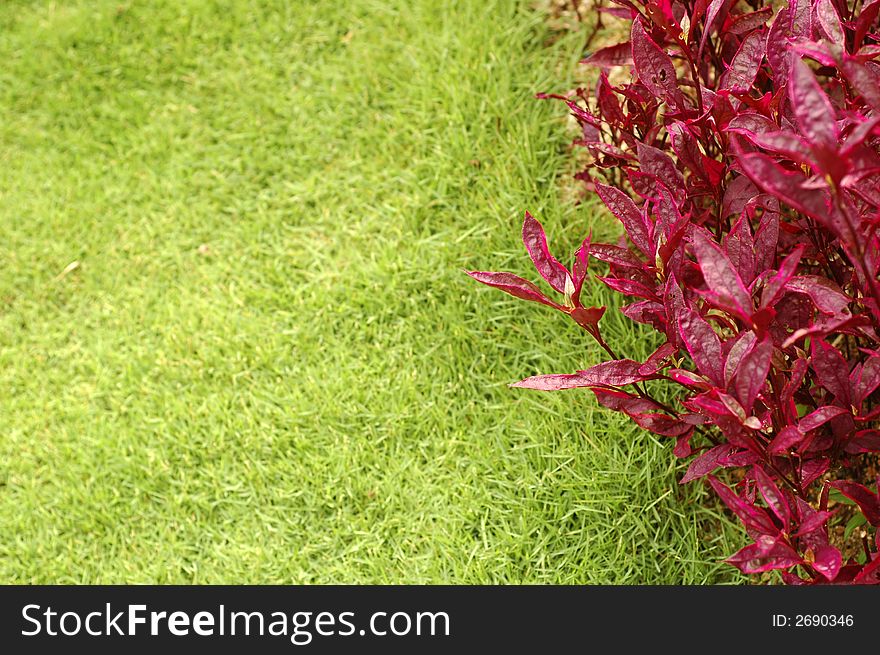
(740, 248)
(829, 21)
(814, 112)
(766, 554)
(787, 438)
(825, 294)
(774, 498)
(778, 48)
(755, 519)
(864, 441)
(813, 469)
(744, 67)
(657, 359)
(619, 54)
(615, 373)
(865, 21)
(616, 255)
(553, 382)
(741, 346)
(737, 195)
(712, 12)
(622, 206)
(703, 345)
(654, 161)
(775, 286)
(790, 187)
(514, 285)
(832, 370)
(827, 561)
(747, 22)
(870, 574)
(654, 67)
(766, 238)
(546, 264)
(686, 147)
(707, 462)
(820, 417)
(867, 500)
(814, 520)
(752, 373)
(720, 275)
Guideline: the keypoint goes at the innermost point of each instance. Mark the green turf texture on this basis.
(267, 365)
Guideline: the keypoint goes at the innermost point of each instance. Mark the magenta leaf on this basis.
(831, 369)
(755, 519)
(654, 67)
(814, 112)
(766, 239)
(829, 21)
(553, 382)
(580, 267)
(588, 317)
(720, 275)
(609, 105)
(615, 255)
(776, 285)
(708, 462)
(774, 498)
(752, 373)
(813, 469)
(819, 417)
(787, 144)
(778, 40)
(768, 553)
(739, 192)
(657, 359)
(870, 574)
(867, 500)
(801, 17)
(741, 346)
(686, 147)
(714, 9)
(622, 206)
(548, 267)
(812, 521)
(703, 344)
(514, 285)
(648, 312)
(629, 287)
(619, 54)
(790, 187)
(864, 21)
(662, 424)
(787, 438)
(827, 561)
(826, 296)
(740, 248)
(658, 164)
(747, 22)
(615, 373)
(744, 66)
(864, 441)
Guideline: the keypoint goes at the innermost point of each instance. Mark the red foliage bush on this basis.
(743, 160)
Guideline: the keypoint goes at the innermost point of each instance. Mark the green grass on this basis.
(267, 366)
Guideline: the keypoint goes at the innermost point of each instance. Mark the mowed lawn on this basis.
(236, 342)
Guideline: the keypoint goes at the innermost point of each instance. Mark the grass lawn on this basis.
(236, 344)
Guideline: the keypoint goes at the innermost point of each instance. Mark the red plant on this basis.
(743, 160)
